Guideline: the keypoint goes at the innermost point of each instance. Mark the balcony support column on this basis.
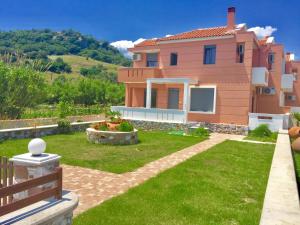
(186, 97)
(148, 97)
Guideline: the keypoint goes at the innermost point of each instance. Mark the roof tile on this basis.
(199, 33)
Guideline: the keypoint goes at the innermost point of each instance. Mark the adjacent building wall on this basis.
(270, 103)
(294, 65)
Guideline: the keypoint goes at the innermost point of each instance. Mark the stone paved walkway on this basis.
(94, 186)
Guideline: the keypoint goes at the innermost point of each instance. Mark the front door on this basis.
(173, 98)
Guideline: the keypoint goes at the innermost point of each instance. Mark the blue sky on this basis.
(133, 19)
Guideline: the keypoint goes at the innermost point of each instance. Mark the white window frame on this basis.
(215, 98)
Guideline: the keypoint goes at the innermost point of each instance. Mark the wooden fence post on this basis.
(6, 178)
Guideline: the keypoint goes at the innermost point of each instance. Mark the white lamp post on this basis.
(37, 146)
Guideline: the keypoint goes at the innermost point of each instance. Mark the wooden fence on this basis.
(8, 189)
(6, 178)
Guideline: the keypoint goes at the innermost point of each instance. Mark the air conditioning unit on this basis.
(268, 91)
(291, 97)
(137, 57)
(295, 77)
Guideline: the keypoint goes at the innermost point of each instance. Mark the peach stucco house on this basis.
(215, 75)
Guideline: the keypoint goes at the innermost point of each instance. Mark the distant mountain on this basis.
(39, 44)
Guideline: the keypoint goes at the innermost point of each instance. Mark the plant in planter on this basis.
(113, 119)
(113, 122)
(115, 131)
(125, 126)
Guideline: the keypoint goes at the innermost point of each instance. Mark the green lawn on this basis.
(297, 164)
(224, 185)
(272, 138)
(76, 150)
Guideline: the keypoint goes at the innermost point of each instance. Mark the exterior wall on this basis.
(236, 96)
(231, 79)
(270, 103)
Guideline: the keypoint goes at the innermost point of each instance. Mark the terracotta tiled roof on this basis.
(199, 33)
(149, 42)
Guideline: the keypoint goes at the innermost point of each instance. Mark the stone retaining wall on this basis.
(112, 137)
(9, 124)
(32, 132)
(39, 131)
(213, 127)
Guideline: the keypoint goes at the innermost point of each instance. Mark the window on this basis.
(203, 99)
(173, 59)
(240, 49)
(152, 60)
(209, 54)
(153, 97)
(271, 60)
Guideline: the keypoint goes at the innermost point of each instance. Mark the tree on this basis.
(59, 66)
(20, 87)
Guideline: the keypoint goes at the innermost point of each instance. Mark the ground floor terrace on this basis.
(186, 99)
(183, 100)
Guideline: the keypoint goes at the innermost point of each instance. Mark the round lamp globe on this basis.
(37, 146)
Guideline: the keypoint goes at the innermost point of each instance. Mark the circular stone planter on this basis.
(112, 137)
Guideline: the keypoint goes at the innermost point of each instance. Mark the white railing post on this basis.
(148, 97)
(185, 100)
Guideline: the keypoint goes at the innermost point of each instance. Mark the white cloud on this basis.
(123, 45)
(262, 32)
(169, 35)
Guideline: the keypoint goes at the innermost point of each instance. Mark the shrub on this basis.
(64, 126)
(103, 127)
(64, 109)
(125, 126)
(261, 131)
(200, 132)
(296, 115)
(100, 126)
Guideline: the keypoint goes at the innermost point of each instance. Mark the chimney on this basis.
(231, 18)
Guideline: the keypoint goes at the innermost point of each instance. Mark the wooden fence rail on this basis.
(6, 178)
(13, 205)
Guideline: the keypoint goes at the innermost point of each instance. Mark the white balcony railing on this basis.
(287, 82)
(158, 115)
(260, 76)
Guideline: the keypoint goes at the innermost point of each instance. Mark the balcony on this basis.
(260, 76)
(126, 74)
(287, 82)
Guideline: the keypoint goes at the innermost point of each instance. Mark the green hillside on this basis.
(78, 62)
(39, 44)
